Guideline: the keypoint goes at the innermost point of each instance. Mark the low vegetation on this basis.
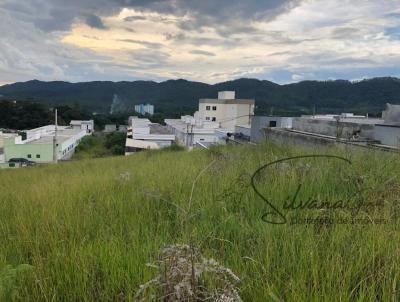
(101, 145)
(96, 230)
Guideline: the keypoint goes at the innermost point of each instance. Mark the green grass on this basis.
(88, 228)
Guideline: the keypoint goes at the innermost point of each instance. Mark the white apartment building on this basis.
(227, 111)
(144, 135)
(214, 120)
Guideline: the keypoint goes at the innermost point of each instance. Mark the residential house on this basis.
(145, 135)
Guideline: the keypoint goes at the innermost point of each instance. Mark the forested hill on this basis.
(367, 96)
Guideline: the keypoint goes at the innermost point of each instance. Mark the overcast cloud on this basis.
(210, 41)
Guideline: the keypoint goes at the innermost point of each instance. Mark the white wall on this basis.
(68, 146)
(227, 115)
(388, 135)
(226, 95)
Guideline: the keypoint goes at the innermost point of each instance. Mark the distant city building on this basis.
(37, 145)
(145, 135)
(215, 122)
(144, 109)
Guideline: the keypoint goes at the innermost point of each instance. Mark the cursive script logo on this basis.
(275, 215)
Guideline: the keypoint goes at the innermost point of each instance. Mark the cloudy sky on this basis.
(204, 40)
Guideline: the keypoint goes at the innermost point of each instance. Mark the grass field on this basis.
(88, 228)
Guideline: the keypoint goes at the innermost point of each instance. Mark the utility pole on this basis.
(337, 127)
(55, 159)
(187, 135)
(191, 135)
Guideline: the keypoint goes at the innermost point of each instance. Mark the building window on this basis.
(214, 119)
(207, 118)
(37, 155)
(272, 123)
(214, 108)
(208, 107)
(29, 155)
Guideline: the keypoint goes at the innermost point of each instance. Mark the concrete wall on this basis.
(282, 136)
(291, 138)
(331, 128)
(388, 135)
(246, 131)
(258, 123)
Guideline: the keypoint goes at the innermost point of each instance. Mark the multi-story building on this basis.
(215, 122)
(144, 109)
(227, 111)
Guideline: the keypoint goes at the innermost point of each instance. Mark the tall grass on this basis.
(88, 228)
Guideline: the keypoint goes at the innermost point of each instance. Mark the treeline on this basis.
(24, 115)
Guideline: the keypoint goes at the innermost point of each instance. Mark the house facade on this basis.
(39, 145)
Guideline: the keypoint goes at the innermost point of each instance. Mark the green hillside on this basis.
(178, 97)
(89, 228)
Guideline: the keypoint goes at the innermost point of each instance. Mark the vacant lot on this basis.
(88, 228)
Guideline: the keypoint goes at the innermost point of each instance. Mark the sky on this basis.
(209, 40)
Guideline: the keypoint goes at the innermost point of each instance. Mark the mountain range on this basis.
(181, 96)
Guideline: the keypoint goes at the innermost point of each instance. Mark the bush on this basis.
(118, 150)
(115, 139)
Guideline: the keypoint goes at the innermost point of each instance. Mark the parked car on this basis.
(22, 162)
